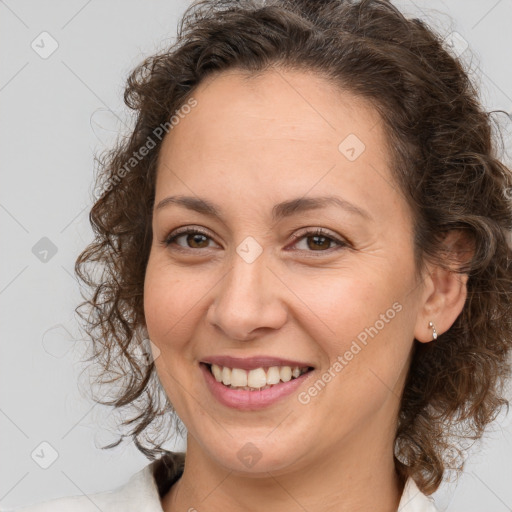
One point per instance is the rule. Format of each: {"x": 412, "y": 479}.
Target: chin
{"x": 256, "y": 455}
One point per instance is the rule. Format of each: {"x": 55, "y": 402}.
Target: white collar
{"x": 413, "y": 500}
{"x": 140, "y": 494}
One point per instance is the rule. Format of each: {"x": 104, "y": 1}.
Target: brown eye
{"x": 194, "y": 239}
{"x": 317, "y": 241}
{"x": 197, "y": 240}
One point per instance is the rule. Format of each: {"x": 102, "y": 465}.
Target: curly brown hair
{"x": 445, "y": 160}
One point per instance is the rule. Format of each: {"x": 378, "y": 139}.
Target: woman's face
{"x": 263, "y": 151}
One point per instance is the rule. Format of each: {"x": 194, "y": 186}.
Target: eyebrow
{"x": 279, "y": 211}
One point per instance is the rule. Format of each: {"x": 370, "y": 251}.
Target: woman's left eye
{"x": 315, "y": 241}
{"x": 318, "y": 239}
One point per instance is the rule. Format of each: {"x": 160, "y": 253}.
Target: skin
{"x": 252, "y": 142}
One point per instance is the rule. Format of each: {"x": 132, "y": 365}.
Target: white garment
{"x": 140, "y": 494}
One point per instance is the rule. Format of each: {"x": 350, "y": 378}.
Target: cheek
{"x": 168, "y": 300}
{"x": 341, "y": 305}
{"x": 366, "y": 356}
{"x": 363, "y": 327}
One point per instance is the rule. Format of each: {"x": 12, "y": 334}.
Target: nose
{"x": 249, "y": 299}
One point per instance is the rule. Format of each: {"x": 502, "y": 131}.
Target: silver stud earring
{"x": 434, "y": 333}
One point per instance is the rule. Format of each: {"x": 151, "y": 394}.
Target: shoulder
{"x": 413, "y": 500}
{"x": 140, "y": 494}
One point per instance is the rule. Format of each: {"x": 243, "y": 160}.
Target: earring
{"x": 434, "y": 333}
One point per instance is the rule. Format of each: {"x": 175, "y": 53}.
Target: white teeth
{"x": 226, "y": 376}
{"x": 217, "y": 372}
{"x": 286, "y": 373}
{"x": 273, "y": 376}
{"x": 258, "y": 378}
{"x": 238, "y": 377}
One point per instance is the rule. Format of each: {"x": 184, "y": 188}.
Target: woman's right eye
{"x": 194, "y": 239}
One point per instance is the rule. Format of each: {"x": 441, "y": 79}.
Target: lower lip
{"x": 250, "y": 400}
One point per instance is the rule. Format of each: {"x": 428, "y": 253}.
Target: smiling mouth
{"x": 257, "y": 379}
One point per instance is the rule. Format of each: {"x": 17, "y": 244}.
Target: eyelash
{"x": 296, "y": 237}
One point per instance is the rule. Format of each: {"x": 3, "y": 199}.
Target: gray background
{"x": 55, "y": 117}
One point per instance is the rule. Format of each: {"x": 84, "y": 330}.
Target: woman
{"x": 310, "y": 224}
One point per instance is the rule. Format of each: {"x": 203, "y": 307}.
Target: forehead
{"x": 279, "y": 133}
{"x": 280, "y": 105}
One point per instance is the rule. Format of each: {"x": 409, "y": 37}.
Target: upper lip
{"x": 250, "y": 363}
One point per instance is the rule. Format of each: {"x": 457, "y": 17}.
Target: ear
{"x": 444, "y": 290}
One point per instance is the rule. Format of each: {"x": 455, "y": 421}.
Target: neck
{"x": 360, "y": 478}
